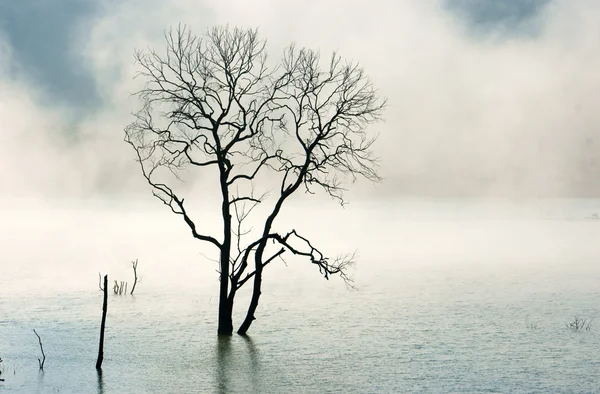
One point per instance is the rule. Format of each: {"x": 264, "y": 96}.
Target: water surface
{"x": 452, "y": 297}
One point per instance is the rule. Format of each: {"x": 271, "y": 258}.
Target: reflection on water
{"x": 41, "y": 374}
{"x": 237, "y": 367}
{"x": 100, "y": 382}
{"x": 223, "y": 363}
{"x": 254, "y": 363}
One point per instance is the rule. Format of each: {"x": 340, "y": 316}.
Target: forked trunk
{"x": 258, "y": 263}
{"x": 255, "y": 294}
{"x": 252, "y": 308}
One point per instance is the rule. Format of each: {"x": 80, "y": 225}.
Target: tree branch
{"x": 251, "y": 274}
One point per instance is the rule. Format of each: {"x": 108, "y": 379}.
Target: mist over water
{"x": 472, "y": 254}
{"x": 451, "y": 296}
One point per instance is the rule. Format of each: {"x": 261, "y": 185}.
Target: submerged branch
{"x": 134, "y": 265}
{"x": 43, "y": 360}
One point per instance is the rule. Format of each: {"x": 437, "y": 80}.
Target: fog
{"x": 484, "y": 103}
{"x": 481, "y": 105}
{"x": 502, "y": 107}
{"x": 472, "y": 254}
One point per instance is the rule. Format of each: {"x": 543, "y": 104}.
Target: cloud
{"x": 501, "y": 18}
{"x": 40, "y": 34}
{"x": 513, "y": 116}
{"x": 470, "y": 112}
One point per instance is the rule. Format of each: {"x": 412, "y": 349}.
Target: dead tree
{"x": 215, "y": 104}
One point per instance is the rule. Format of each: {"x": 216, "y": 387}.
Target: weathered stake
{"x": 101, "y": 349}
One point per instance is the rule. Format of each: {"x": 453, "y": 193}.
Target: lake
{"x": 460, "y": 296}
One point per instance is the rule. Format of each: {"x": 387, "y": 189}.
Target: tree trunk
{"x": 225, "y": 310}
{"x": 102, "y": 325}
{"x": 253, "y": 305}
{"x": 255, "y": 292}
{"x": 225, "y": 307}
{"x": 258, "y": 266}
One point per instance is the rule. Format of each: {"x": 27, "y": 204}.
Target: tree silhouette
{"x": 215, "y": 104}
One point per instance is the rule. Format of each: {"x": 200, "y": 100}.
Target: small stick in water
{"x": 43, "y": 360}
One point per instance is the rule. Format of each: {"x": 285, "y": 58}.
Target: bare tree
{"x": 212, "y": 103}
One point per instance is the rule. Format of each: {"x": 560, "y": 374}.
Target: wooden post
{"x": 101, "y": 350}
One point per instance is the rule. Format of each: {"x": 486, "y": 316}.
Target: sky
{"x": 485, "y": 97}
